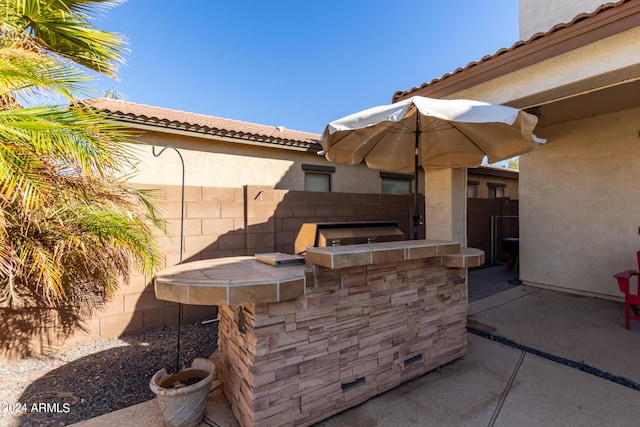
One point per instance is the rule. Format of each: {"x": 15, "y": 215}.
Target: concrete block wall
{"x": 213, "y": 222}
{"x": 218, "y": 222}
{"x": 213, "y": 228}
{"x": 274, "y": 217}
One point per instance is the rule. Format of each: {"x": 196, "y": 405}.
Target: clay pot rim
{"x": 199, "y": 364}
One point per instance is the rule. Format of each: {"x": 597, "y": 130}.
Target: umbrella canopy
{"x": 433, "y": 133}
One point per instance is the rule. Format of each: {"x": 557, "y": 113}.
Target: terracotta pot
{"x": 182, "y": 396}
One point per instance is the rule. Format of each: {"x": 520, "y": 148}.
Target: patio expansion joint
{"x": 507, "y": 389}
{"x": 581, "y": 366}
{"x": 493, "y": 306}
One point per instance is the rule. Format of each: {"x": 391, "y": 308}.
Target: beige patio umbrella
{"x": 432, "y": 133}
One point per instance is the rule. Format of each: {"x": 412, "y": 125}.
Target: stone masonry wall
{"x": 358, "y": 332}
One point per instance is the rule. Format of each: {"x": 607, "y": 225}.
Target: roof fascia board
{"x": 610, "y": 79}
{"x": 512, "y": 173}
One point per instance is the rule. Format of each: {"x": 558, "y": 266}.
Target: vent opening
{"x": 413, "y": 359}
{"x": 352, "y": 384}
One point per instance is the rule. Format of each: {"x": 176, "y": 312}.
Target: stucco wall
{"x": 446, "y": 205}
{"x": 226, "y": 164}
{"x": 578, "y": 193}
{"x": 510, "y": 188}
{"x": 541, "y": 15}
{"x": 579, "y": 220}
{"x": 611, "y": 54}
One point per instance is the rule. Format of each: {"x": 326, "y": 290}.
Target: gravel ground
{"x": 97, "y": 377}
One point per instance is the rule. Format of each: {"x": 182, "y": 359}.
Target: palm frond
{"x": 80, "y": 137}
{"x": 40, "y": 145}
{"x": 27, "y": 73}
{"x": 71, "y": 228}
{"x": 63, "y": 27}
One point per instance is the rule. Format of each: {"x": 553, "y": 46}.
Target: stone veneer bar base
{"x": 358, "y": 332}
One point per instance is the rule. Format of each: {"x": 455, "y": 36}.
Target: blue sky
{"x": 298, "y": 64}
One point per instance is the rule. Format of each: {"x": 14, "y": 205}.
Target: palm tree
{"x": 70, "y": 229}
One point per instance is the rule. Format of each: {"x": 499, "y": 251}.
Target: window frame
{"x": 493, "y": 190}
{"x": 318, "y": 170}
{"x": 397, "y": 177}
{"x": 474, "y": 185}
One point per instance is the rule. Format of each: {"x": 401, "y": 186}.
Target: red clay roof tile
{"x": 198, "y": 123}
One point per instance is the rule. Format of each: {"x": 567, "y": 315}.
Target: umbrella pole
{"x": 416, "y": 211}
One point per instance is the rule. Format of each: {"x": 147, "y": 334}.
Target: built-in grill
{"x": 321, "y": 234}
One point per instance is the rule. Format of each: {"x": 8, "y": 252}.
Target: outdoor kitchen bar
{"x": 299, "y": 342}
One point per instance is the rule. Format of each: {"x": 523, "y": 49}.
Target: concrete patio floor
{"x": 535, "y": 358}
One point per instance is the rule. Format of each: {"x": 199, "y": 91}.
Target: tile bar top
{"x": 336, "y": 257}
{"x": 230, "y": 281}
{"x": 467, "y": 257}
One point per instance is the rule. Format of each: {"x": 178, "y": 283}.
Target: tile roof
{"x": 520, "y": 44}
{"x": 141, "y": 114}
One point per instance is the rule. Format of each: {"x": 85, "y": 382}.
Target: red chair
{"x": 631, "y": 299}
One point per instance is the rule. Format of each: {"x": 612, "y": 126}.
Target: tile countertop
{"x": 230, "y": 281}
{"x": 451, "y": 253}
{"x": 244, "y": 280}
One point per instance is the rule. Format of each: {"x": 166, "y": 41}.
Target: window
{"x": 317, "y": 177}
{"x": 317, "y": 181}
{"x": 496, "y": 190}
{"x": 395, "y": 183}
{"x": 472, "y": 189}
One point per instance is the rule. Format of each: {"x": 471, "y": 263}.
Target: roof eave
{"x": 609, "y": 19}
{"x": 494, "y": 171}
{"x": 160, "y": 125}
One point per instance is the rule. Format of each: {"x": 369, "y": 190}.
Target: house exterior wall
{"x": 562, "y": 75}
{"x": 576, "y": 192}
{"x": 484, "y": 181}
{"x": 221, "y": 164}
{"x": 541, "y": 15}
{"x": 210, "y": 162}
{"x": 578, "y": 205}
